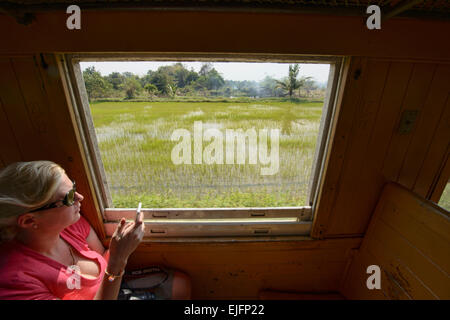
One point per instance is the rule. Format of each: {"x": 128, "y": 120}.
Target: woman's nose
{"x": 78, "y": 197}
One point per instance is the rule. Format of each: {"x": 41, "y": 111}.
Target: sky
{"x": 229, "y": 70}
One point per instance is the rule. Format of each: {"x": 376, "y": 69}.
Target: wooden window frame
{"x": 441, "y": 180}
{"x": 203, "y": 223}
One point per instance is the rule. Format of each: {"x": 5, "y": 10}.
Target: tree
{"x": 132, "y": 86}
{"x": 291, "y": 83}
{"x": 162, "y": 79}
{"x": 192, "y": 77}
{"x": 96, "y": 86}
{"x": 115, "y": 79}
{"x": 269, "y": 87}
{"x": 180, "y": 75}
{"x": 201, "y": 85}
{"x": 172, "y": 89}
{"x": 205, "y": 69}
{"x": 151, "y": 89}
{"x": 309, "y": 86}
{"x": 214, "y": 80}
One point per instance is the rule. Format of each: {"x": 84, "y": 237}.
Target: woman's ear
{"x": 27, "y": 220}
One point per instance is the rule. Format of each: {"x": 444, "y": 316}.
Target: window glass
{"x": 202, "y": 134}
{"x": 444, "y": 202}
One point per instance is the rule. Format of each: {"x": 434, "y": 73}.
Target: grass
{"x": 444, "y": 202}
{"x": 135, "y": 146}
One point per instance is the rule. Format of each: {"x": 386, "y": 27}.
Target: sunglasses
{"x": 68, "y": 201}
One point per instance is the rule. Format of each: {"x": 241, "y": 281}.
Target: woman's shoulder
{"x": 19, "y": 264}
{"x": 22, "y": 277}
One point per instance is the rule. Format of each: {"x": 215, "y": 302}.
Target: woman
{"x": 49, "y": 251}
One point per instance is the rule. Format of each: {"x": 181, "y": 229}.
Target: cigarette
{"x": 138, "y": 210}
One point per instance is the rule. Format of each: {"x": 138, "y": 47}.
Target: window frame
{"x": 176, "y": 223}
{"x": 441, "y": 181}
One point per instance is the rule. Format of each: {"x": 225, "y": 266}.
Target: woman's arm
{"x": 94, "y": 242}
{"x": 123, "y": 242}
{"x": 109, "y": 290}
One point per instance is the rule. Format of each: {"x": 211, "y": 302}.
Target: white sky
{"x": 229, "y": 70}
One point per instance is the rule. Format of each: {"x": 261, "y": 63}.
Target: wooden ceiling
{"x": 431, "y": 9}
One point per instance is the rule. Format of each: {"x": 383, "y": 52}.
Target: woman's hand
{"x": 124, "y": 241}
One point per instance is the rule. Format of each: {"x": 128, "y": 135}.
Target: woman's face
{"x": 56, "y": 219}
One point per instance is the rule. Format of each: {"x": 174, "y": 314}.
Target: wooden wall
{"x": 409, "y": 239}
{"x": 36, "y": 122}
{"x": 233, "y": 270}
{"x": 368, "y": 149}
{"x": 403, "y": 66}
{"x": 226, "y": 32}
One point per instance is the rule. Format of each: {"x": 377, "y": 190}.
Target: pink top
{"x": 28, "y": 275}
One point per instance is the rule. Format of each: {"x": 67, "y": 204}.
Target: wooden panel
{"x": 416, "y": 94}
{"x": 70, "y": 154}
{"x": 16, "y": 111}
{"x": 436, "y": 157}
{"x": 37, "y": 111}
{"x": 430, "y": 274}
{"x": 426, "y": 127}
{"x": 354, "y": 285}
{"x": 368, "y": 184}
{"x": 347, "y": 101}
{"x": 241, "y": 270}
{"x": 35, "y": 122}
{"x": 397, "y": 269}
{"x": 442, "y": 181}
{"x": 422, "y": 230}
{"x": 373, "y": 152}
{"x": 363, "y": 125}
{"x": 207, "y": 31}
{"x": 408, "y": 238}
{"x": 9, "y": 149}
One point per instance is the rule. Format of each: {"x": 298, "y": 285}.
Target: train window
{"x": 444, "y": 201}
{"x": 207, "y": 147}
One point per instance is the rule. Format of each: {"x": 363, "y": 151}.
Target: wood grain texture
{"x": 408, "y": 238}
{"x": 442, "y": 180}
{"x": 36, "y": 124}
{"x": 242, "y": 270}
{"x": 348, "y": 98}
{"x": 240, "y": 32}
{"x": 416, "y": 93}
{"x": 356, "y": 154}
{"x": 368, "y": 182}
{"x": 10, "y": 151}
{"x": 70, "y": 154}
{"x": 435, "y": 171}
{"x": 16, "y": 110}
{"x": 374, "y": 152}
{"x": 354, "y": 284}
{"x": 426, "y": 127}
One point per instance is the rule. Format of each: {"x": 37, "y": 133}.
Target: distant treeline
{"x": 177, "y": 81}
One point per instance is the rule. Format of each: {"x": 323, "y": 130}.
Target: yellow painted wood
{"x": 408, "y": 239}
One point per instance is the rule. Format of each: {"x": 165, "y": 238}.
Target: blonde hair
{"x": 25, "y": 186}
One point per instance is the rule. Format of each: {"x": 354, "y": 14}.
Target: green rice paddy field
{"x": 135, "y": 146}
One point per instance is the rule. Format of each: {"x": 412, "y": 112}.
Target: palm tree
{"x": 291, "y": 83}
{"x": 172, "y": 89}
